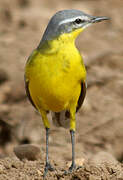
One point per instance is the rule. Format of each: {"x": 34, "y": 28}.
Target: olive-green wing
{"x": 28, "y": 93}
{"x": 82, "y": 95}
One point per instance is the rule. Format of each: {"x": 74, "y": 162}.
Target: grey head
{"x": 67, "y": 21}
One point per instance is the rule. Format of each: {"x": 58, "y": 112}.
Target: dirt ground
{"x": 99, "y": 134}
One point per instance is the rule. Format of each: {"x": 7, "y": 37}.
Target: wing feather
{"x": 28, "y": 93}
{"x": 82, "y": 96}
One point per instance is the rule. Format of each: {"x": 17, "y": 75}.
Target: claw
{"x": 72, "y": 168}
{"x": 48, "y": 167}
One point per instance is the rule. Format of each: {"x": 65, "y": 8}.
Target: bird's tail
{"x": 61, "y": 119}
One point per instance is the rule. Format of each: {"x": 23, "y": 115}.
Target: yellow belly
{"x": 54, "y": 94}
{"x": 55, "y": 80}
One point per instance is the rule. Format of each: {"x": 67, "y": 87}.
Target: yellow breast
{"x": 55, "y": 74}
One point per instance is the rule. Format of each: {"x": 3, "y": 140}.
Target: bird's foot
{"x": 47, "y": 168}
{"x": 72, "y": 168}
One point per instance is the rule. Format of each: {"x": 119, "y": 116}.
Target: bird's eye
{"x": 79, "y": 21}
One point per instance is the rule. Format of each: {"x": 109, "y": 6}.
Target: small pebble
{"x": 3, "y": 76}
{"x": 93, "y": 177}
{"x": 79, "y": 162}
{"x": 27, "y": 151}
{"x": 1, "y": 168}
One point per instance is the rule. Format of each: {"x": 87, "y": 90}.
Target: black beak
{"x": 98, "y": 19}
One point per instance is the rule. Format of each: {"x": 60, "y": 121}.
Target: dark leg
{"x": 73, "y": 165}
{"x": 47, "y": 166}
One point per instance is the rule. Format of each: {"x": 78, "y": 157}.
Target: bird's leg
{"x": 47, "y": 127}
{"x": 73, "y": 165}
{"x": 72, "y": 133}
{"x": 47, "y": 165}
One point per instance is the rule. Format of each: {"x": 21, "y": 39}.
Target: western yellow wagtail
{"x": 55, "y": 75}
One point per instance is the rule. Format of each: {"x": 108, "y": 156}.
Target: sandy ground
{"x": 99, "y": 134}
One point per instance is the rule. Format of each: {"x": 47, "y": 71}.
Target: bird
{"x": 55, "y": 74}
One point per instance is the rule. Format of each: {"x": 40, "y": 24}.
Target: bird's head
{"x": 69, "y": 21}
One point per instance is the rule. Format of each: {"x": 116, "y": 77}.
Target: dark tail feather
{"x": 61, "y": 119}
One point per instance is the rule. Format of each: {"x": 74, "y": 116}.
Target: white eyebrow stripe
{"x": 72, "y": 19}
{"x": 69, "y": 20}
